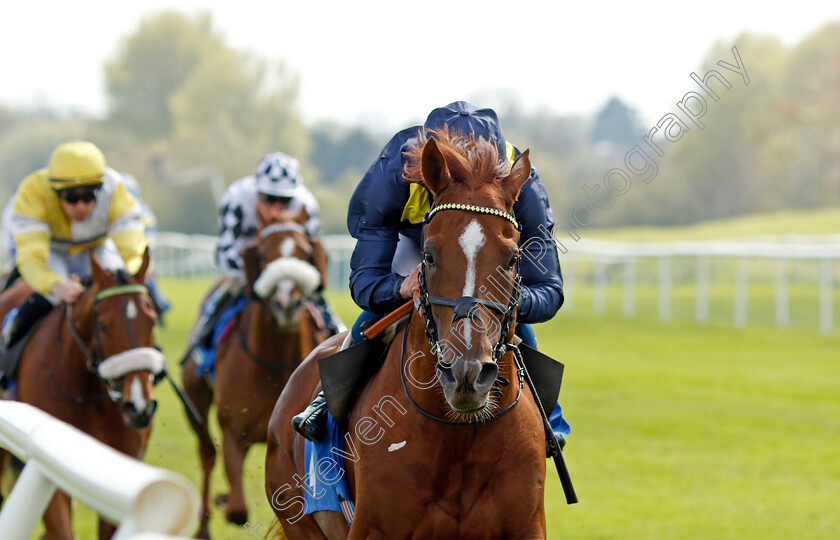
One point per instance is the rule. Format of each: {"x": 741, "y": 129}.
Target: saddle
{"x": 344, "y": 373}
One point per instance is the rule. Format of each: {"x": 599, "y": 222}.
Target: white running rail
{"x": 143, "y": 501}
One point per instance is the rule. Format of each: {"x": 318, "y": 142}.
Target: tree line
{"x": 188, "y": 114}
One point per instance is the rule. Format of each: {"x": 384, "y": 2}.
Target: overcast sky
{"x": 390, "y": 62}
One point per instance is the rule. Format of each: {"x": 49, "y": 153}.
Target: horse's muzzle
{"x": 139, "y": 419}
{"x": 466, "y": 383}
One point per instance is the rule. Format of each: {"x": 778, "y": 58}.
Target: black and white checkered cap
{"x": 279, "y": 175}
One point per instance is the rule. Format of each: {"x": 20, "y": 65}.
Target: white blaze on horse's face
{"x": 471, "y": 240}
{"x": 136, "y": 395}
{"x": 287, "y": 247}
{"x": 287, "y": 314}
{"x": 131, "y": 310}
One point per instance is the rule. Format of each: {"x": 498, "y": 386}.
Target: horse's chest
{"x": 435, "y": 495}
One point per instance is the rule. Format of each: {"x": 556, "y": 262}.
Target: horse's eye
{"x": 512, "y": 262}
{"x": 428, "y": 258}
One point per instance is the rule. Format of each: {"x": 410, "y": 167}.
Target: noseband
{"x": 96, "y": 359}
{"x": 464, "y": 307}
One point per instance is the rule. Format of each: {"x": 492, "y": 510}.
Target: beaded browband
{"x": 472, "y": 208}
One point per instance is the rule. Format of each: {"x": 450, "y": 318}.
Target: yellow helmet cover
{"x": 75, "y": 164}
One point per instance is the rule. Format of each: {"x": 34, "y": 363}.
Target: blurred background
{"x": 700, "y": 236}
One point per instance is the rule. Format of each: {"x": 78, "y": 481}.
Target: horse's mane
{"x": 472, "y": 161}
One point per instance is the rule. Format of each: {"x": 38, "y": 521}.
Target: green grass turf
{"x": 678, "y": 432}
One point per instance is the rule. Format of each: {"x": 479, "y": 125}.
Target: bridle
{"x": 95, "y": 359}
{"x": 276, "y": 228}
{"x": 464, "y": 307}
{"x": 264, "y": 233}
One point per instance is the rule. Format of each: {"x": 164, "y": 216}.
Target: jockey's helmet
{"x": 278, "y": 175}
{"x": 468, "y": 119}
{"x": 75, "y": 164}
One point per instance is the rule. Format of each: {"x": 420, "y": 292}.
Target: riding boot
{"x": 311, "y": 423}
{"x": 30, "y": 312}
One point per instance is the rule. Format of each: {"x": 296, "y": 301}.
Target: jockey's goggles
{"x": 274, "y": 199}
{"x": 74, "y": 195}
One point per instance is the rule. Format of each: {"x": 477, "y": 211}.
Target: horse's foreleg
{"x": 57, "y": 518}
{"x": 235, "y": 449}
{"x": 202, "y": 397}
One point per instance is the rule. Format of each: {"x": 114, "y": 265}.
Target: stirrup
{"x": 311, "y": 423}
{"x": 560, "y": 439}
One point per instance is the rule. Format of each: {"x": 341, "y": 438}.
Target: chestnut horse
{"x": 440, "y": 444}
{"x": 93, "y": 364}
{"x": 272, "y": 335}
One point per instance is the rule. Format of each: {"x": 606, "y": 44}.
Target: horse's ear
{"x": 520, "y": 171}
{"x": 435, "y": 172}
{"x": 144, "y": 266}
{"x": 99, "y": 274}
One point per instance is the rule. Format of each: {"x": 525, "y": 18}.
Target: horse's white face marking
{"x": 471, "y": 240}
{"x": 136, "y": 394}
{"x": 287, "y": 247}
{"x": 131, "y": 310}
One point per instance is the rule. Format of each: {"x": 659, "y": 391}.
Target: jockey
{"x": 276, "y": 183}
{"x": 149, "y": 221}
{"x": 386, "y": 219}
{"x": 59, "y": 216}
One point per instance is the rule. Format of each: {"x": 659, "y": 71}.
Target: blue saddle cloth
{"x": 325, "y": 482}
{"x": 207, "y": 365}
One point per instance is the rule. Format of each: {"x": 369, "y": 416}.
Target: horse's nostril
{"x": 447, "y": 379}
{"x": 486, "y": 377}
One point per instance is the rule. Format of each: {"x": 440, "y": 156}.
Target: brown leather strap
{"x": 389, "y": 319}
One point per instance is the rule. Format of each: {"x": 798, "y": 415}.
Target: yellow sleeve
{"x": 121, "y": 203}
{"x": 29, "y": 198}
{"x": 31, "y": 252}
{"x": 131, "y": 245}
{"x": 32, "y": 235}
